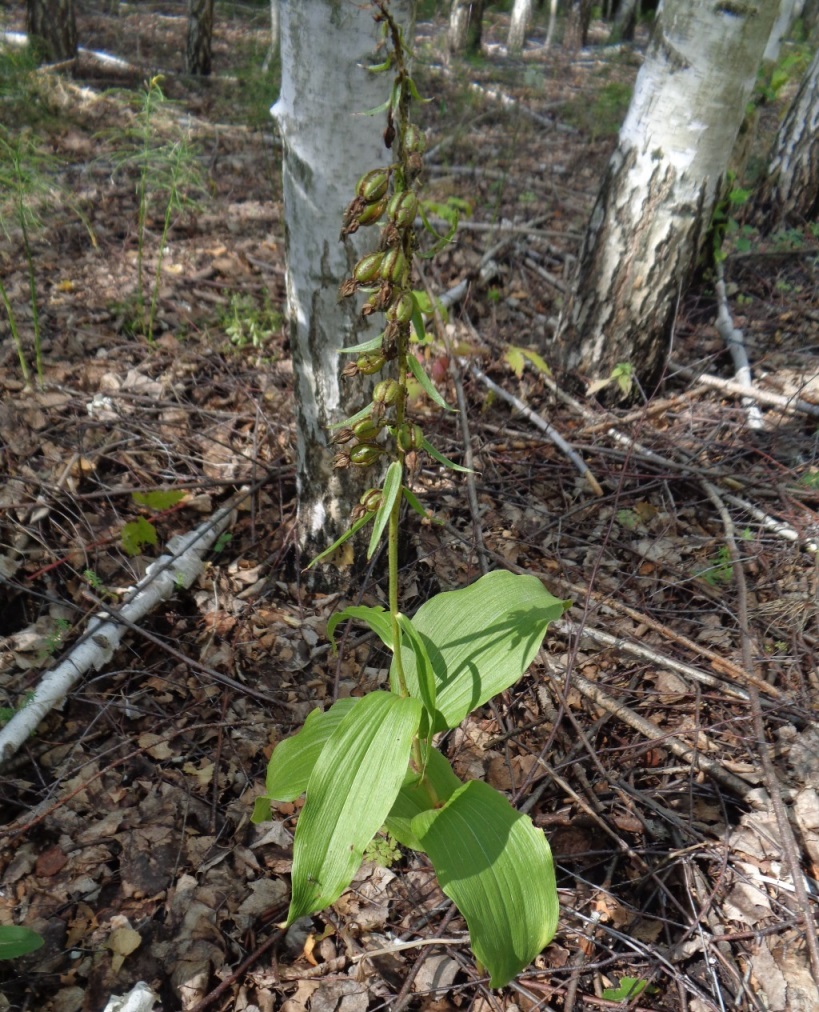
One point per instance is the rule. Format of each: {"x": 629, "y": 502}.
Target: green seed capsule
{"x": 366, "y": 430}
{"x": 373, "y": 185}
{"x": 394, "y": 265}
{"x": 371, "y": 364}
{"x": 365, "y": 454}
{"x": 401, "y": 310}
{"x": 402, "y": 208}
{"x": 372, "y": 499}
{"x": 368, "y": 268}
{"x": 372, "y": 212}
{"x": 387, "y": 392}
{"x": 414, "y": 139}
{"x": 410, "y": 437}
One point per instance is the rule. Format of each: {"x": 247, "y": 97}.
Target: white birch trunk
{"x": 550, "y": 31}
{"x": 273, "y": 51}
{"x": 326, "y": 46}
{"x": 655, "y": 205}
{"x": 789, "y": 11}
{"x": 519, "y": 25}
{"x": 458, "y": 22}
{"x": 790, "y": 193}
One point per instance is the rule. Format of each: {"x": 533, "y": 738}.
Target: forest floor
{"x": 634, "y": 740}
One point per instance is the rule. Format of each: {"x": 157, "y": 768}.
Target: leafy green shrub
{"x": 370, "y": 762}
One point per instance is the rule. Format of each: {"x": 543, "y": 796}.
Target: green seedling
{"x": 370, "y": 762}
{"x": 168, "y": 179}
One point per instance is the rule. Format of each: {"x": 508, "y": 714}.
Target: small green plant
{"x": 7, "y": 712}
{"x": 26, "y": 182}
{"x": 370, "y": 762}
{"x": 604, "y": 114}
{"x": 247, "y": 324}
{"x": 622, "y": 374}
{"x": 383, "y": 849}
{"x": 719, "y": 570}
{"x": 139, "y": 534}
{"x": 629, "y": 988}
{"x": 168, "y": 179}
{"x": 18, "y": 941}
{"x": 55, "y": 638}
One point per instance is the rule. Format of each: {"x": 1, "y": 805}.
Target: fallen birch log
{"x": 177, "y": 568}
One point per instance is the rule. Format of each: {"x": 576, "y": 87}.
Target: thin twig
{"x": 735, "y": 342}
{"x": 790, "y": 404}
{"x": 545, "y": 427}
{"x": 651, "y": 731}
{"x": 787, "y": 839}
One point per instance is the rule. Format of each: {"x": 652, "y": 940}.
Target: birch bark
{"x": 790, "y": 193}
{"x": 519, "y": 25}
{"x": 655, "y": 205}
{"x": 326, "y": 46}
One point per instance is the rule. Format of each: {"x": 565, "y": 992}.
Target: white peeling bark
{"x": 326, "y": 46}
{"x": 790, "y": 193}
{"x": 178, "y": 567}
{"x": 658, "y": 194}
{"x": 519, "y": 25}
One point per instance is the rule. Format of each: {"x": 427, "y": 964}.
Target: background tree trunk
{"x": 465, "y": 26}
{"x": 52, "y": 29}
{"x": 550, "y": 31}
{"x": 198, "y": 58}
{"x": 576, "y": 35}
{"x": 519, "y": 25}
{"x": 625, "y": 21}
{"x": 273, "y": 51}
{"x": 790, "y": 193}
{"x": 656, "y": 202}
{"x": 789, "y": 11}
{"x": 325, "y": 47}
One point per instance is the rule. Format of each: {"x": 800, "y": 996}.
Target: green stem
{"x": 18, "y": 344}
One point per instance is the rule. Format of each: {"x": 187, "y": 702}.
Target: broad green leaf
{"x": 413, "y": 798}
{"x": 498, "y": 869}
{"x": 390, "y": 492}
{"x": 159, "y": 499}
{"x": 423, "y": 667}
{"x": 359, "y": 349}
{"x": 442, "y": 459}
{"x": 376, "y": 618}
{"x": 344, "y": 537}
{"x": 420, "y": 374}
{"x": 480, "y": 640}
{"x": 350, "y": 793}
{"x": 16, "y": 940}
{"x": 293, "y": 759}
{"x": 365, "y": 412}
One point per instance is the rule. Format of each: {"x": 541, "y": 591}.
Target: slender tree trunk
{"x": 198, "y": 52}
{"x": 519, "y": 25}
{"x": 52, "y": 29}
{"x": 273, "y": 51}
{"x": 625, "y": 21}
{"x": 657, "y": 198}
{"x": 789, "y": 11}
{"x": 326, "y": 46}
{"x": 550, "y": 31}
{"x": 465, "y": 26}
{"x": 576, "y": 35}
{"x": 790, "y": 193}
